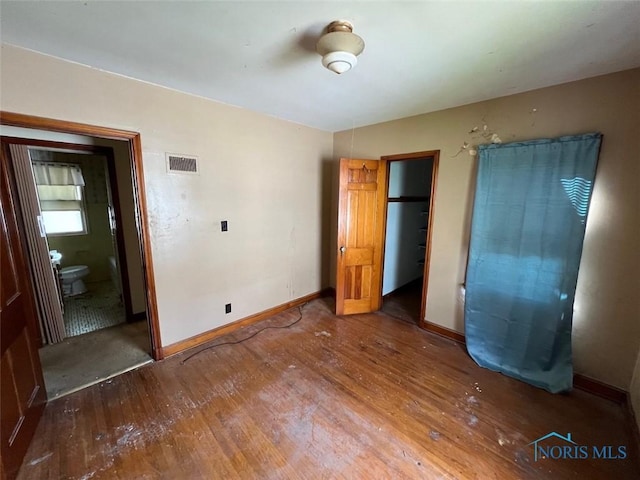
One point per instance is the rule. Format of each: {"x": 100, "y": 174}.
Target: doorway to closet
{"x": 411, "y": 185}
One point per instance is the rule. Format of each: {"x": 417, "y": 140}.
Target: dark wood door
{"x": 23, "y": 395}
{"x": 361, "y": 225}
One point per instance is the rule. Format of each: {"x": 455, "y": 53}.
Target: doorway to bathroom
{"x": 77, "y": 207}
{"x": 78, "y": 216}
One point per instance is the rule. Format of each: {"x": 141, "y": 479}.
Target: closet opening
{"x": 411, "y": 186}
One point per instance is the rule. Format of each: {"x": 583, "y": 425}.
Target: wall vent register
{"x": 177, "y": 163}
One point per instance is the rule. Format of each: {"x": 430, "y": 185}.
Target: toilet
{"x": 72, "y": 283}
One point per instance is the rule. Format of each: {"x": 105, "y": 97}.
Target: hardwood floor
{"x": 404, "y": 302}
{"x": 366, "y": 396}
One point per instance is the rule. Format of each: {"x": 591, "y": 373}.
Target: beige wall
{"x": 264, "y": 175}
{"x": 606, "y": 332}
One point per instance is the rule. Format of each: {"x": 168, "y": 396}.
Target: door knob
{"x": 342, "y": 250}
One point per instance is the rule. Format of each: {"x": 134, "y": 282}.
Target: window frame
{"x": 83, "y": 216}
{"x": 83, "y": 212}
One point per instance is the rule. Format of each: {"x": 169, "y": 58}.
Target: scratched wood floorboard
{"x": 367, "y": 396}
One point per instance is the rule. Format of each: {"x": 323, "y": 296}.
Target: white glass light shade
{"x": 339, "y": 62}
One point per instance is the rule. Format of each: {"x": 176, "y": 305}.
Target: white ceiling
{"x": 419, "y": 56}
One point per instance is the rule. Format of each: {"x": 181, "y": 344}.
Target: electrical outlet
{"x": 227, "y": 308}
{"x": 224, "y": 226}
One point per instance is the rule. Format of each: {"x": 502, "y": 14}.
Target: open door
{"x": 22, "y": 388}
{"x": 361, "y": 221}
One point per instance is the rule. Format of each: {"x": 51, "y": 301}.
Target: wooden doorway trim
{"x": 435, "y": 155}
{"x": 142, "y": 224}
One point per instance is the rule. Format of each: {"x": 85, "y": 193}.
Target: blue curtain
{"x": 531, "y": 205}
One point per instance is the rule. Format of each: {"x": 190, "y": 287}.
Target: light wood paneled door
{"x": 361, "y": 220}
{"x": 22, "y": 387}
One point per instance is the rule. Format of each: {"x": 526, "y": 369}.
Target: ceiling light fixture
{"x": 340, "y": 47}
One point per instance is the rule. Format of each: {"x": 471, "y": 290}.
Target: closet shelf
{"x": 408, "y": 199}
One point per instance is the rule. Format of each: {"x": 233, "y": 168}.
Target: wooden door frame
{"x": 435, "y": 155}
{"x": 142, "y": 222}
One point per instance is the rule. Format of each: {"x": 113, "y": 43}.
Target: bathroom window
{"x": 61, "y": 195}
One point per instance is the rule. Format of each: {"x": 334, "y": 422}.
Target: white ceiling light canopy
{"x": 340, "y": 47}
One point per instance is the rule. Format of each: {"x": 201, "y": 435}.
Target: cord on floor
{"x": 236, "y": 342}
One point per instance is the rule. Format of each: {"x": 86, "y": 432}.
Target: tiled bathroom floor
{"x": 99, "y": 308}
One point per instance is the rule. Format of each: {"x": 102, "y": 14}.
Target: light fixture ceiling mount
{"x": 339, "y": 47}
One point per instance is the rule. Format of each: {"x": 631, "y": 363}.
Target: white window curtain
{"x": 59, "y": 185}
{"x": 57, "y": 174}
